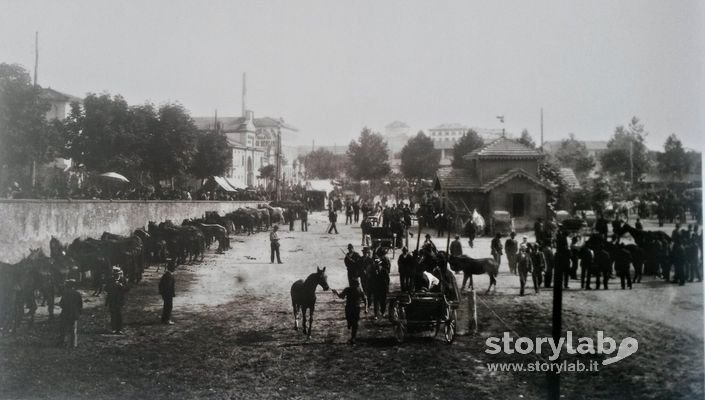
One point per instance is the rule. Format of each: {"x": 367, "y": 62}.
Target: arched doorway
{"x": 250, "y": 172}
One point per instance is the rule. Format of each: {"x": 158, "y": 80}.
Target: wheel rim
{"x": 450, "y": 328}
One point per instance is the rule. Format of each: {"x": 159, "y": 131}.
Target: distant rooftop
{"x": 504, "y": 147}
{"x": 50, "y": 94}
{"x": 454, "y": 126}
{"x": 232, "y": 123}
{"x": 397, "y": 125}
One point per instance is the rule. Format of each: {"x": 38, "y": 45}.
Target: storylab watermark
{"x": 548, "y": 347}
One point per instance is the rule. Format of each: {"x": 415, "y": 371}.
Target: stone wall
{"x": 31, "y": 223}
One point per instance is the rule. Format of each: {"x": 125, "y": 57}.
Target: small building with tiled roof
{"x": 500, "y": 176}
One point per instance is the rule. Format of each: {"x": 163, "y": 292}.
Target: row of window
{"x": 447, "y": 133}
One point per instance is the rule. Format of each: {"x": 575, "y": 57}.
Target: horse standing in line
{"x": 475, "y": 266}
{"x": 303, "y": 297}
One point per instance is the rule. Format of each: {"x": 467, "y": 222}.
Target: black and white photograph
{"x": 323, "y": 199}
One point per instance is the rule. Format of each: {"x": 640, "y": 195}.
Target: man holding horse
{"x": 353, "y": 296}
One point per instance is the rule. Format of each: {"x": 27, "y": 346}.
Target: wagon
{"x": 422, "y": 311}
{"x": 501, "y": 222}
{"x": 386, "y": 237}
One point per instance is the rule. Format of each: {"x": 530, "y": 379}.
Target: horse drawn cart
{"x": 422, "y": 311}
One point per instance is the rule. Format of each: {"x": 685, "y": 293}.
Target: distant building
{"x": 503, "y": 177}
{"x": 445, "y": 136}
{"x": 60, "y": 103}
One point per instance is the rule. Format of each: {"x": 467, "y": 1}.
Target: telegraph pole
{"x": 542, "y": 128}
{"x": 278, "y": 165}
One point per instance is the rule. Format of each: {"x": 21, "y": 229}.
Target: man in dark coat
{"x": 523, "y": 267}
{"x": 71, "y": 304}
{"x": 167, "y": 289}
{"x": 406, "y": 264}
{"x": 353, "y": 296}
{"x": 352, "y": 264}
{"x": 538, "y": 230}
{"x": 511, "y": 246}
{"x": 304, "y": 219}
{"x": 622, "y": 258}
{"x": 470, "y": 232}
{"x": 115, "y": 300}
{"x": 456, "y": 248}
{"x": 332, "y": 218}
{"x": 603, "y": 265}
{"x": 365, "y": 227}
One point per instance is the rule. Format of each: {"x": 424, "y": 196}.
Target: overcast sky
{"x": 332, "y": 67}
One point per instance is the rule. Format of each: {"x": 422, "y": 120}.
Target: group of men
{"x": 71, "y": 304}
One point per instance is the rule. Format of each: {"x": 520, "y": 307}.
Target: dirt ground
{"x": 234, "y": 338}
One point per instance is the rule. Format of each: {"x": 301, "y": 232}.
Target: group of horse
{"x": 91, "y": 261}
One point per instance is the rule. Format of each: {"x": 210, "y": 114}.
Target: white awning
{"x": 223, "y": 183}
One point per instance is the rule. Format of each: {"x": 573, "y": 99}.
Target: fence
{"x": 31, "y": 223}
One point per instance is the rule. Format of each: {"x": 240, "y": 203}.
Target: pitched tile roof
{"x": 457, "y": 179}
{"x": 463, "y": 180}
{"x": 570, "y": 179}
{"x": 504, "y": 148}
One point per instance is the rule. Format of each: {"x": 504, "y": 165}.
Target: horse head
{"x": 322, "y": 278}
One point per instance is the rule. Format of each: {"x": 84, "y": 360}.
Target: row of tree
{"x": 146, "y": 143}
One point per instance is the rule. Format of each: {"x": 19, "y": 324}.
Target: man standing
{"x": 523, "y": 267}
{"x": 115, "y": 300}
{"x": 456, "y": 249}
{"x": 356, "y": 211}
{"x": 304, "y": 219}
{"x": 511, "y": 246}
{"x": 168, "y": 292}
{"x": 333, "y": 218}
{"x": 365, "y": 227}
{"x": 292, "y": 218}
{"x": 274, "y": 244}
{"x": 538, "y": 230}
{"x": 406, "y": 264}
{"x": 470, "y": 231}
{"x": 352, "y": 263}
{"x": 348, "y": 213}
{"x": 496, "y": 248}
{"x": 71, "y": 304}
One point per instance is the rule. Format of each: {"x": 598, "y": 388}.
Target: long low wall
{"x": 31, "y": 223}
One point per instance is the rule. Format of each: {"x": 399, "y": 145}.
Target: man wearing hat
{"x": 352, "y": 263}
{"x": 168, "y": 291}
{"x": 406, "y": 264}
{"x": 116, "y": 289}
{"x": 428, "y": 242}
{"x": 274, "y": 244}
{"x": 511, "y": 246}
{"x": 71, "y": 304}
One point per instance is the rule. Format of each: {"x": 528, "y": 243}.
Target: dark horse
{"x": 474, "y": 266}
{"x": 303, "y": 297}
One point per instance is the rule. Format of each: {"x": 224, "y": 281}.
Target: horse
{"x": 303, "y": 297}
{"x": 472, "y": 266}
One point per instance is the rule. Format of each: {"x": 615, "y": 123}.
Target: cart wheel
{"x": 449, "y": 330}
{"x": 399, "y": 323}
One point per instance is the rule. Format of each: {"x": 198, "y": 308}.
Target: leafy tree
{"x": 574, "y": 154}
{"x": 550, "y": 172}
{"x": 469, "y": 142}
{"x": 212, "y": 156}
{"x": 26, "y": 138}
{"x": 101, "y": 136}
{"x": 526, "y": 139}
{"x": 418, "y": 160}
{"x": 368, "y": 156}
{"x": 616, "y": 159}
{"x": 170, "y": 149}
{"x": 673, "y": 162}
{"x": 324, "y": 164}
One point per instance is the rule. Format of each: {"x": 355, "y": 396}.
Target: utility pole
{"x": 631, "y": 160}
{"x": 36, "y": 56}
{"x": 278, "y": 164}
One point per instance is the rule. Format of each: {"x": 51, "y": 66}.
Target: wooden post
{"x": 418, "y": 237}
{"x": 554, "y": 380}
{"x": 472, "y": 306}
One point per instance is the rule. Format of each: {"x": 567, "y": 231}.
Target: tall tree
{"x": 526, "y": 139}
{"x": 626, "y": 152}
{"x": 469, "y": 142}
{"x": 26, "y": 138}
{"x": 418, "y": 159}
{"x": 212, "y": 156}
{"x": 573, "y": 154}
{"x": 550, "y": 172}
{"x": 673, "y": 162}
{"x": 171, "y": 146}
{"x": 368, "y": 156}
{"x": 324, "y": 164}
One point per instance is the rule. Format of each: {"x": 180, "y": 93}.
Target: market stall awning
{"x": 223, "y": 183}
{"x": 321, "y": 185}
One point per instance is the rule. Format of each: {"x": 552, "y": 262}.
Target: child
{"x": 353, "y": 295}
